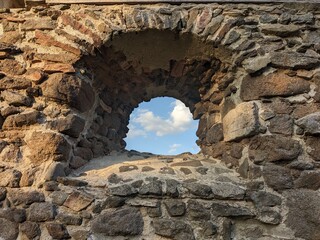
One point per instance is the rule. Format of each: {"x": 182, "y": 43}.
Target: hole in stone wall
{"x": 162, "y": 126}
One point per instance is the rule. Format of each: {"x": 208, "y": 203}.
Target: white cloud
{"x": 179, "y": 121}
{"x": 135, "y": 132}
{"x": 174, "y": 147}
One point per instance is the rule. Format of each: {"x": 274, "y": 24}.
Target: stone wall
{"x": 71, "y": 76}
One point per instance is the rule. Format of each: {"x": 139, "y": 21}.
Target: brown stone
{"x": 30, "y": 229}
{"x": 47, "y": 40}
{"x": 310, "y": 123}
{"x": 313, "y": 149}
{"x": 25, "y": 197}
{"x": 41, "y": 212}
{"x": 10, "y": 178}
{"x": 275, "y": 84}
{"x": 278, "y": 178}
{"x": 273, "y": 148}
{"x": 57, "y": 231}
{"x": 40, "y": 24}
{"x": 282, "y": 124}
{"x": 11, "y": 67}
{"x": 60, "y": 58}
{"x": 309, "y": 180}
{"x": 16, "y": 99}
{"x": 10, "y": 83}
{"x": 70, "y": 90}
{"x": 21, "y": 119}
{"x": 47, "y": 146}
{"x": 78, "y": 201}
{"x": 294, "y": 60}
{"x": 8, "y": 230}
{"x": 215, "y": 134}
{"x": 58, "y": 67}
{"x": 34, "y": 75}
{"x": 11, "y": 37}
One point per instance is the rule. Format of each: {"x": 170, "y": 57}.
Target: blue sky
{"x": 162, "y": 126}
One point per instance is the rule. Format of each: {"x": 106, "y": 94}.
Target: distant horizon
{"x": 162, "y": 126}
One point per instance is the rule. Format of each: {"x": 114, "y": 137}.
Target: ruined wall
{"x": 71, "y": 76}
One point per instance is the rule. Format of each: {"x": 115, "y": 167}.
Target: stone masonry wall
{"x": 70, "y": 75}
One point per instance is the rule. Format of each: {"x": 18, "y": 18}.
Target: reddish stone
{"x": 34, "y": 75}
{"x": 58, "y": 67}
{"x": 11, "y": 37}
{"x": 47, "y": 40}
{"x": 11, "y": 67}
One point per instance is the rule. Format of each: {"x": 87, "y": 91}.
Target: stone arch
{"x": 252, "y": 69}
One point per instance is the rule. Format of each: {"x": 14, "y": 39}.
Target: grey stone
{"x": 175, "y": 229}
{"x": 224, "y": 190}
{"x": 241, "y": 122}
{"x": 123, "y": 222}
{"x": 310, "y": 123}
{"x": 215, "y": 133}
{"x": 202, "y": 170}
{"x": 41, "y": 212}
{"x": 186, "y": 171}
{"x": 277, "y": 177}
{"x": 57, "y": 231}
{"x": 30, "y": 229}
{"x": 78, "y": 200}
{"x": 71, "y": 125}
{"x": 280, "y": 30}
{"x": 294, "y": 60}
{"x": 267, "y": 18}
{"x": 228, "y": 210}
{"x": 265, "y": 199}
{"x": 282, "y": 124}
{"x": 58, "y": 197}
{"x": 232, "y": 37}
{"x": 127, "y": 168}
{"x": 68, "y": 181}
{"x": 123, "y": 190}
{"x": 269, "y": 216}
{"x": 303, "y": 215}
{"x": 252, "y": 65}
{"x": 172, "y": 187}
{"x": 313, "y": 149}
{"x": 13, "y": 215}
{"x": 147, "y": 169}
{"x": 196, "y": 211}
{"x": 209, "y": 229}
{"x": 156, "y": 211}
{"x": 152, "y": 188}
{"x": 273, "y": 148}
{"x": 55, "y": 170}
{"x": 20, "y": 196}
{"x": 114, "y": 178}
{"x": 175, "y": 207}
{"x": 69, "y": 218}
{"x": 198, "y": 189}
{"x": 303, "y": 18}
{"x": 8, "y": 230}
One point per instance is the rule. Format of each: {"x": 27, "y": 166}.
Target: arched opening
{"x": 162, "y": 126}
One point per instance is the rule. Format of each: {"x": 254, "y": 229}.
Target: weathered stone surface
{"x": 227, "y": 210}
{"x": 269, "y": 216}
{"x": 11, "y": 67}
{"x": 57, "y": 231}
{"x": 69, "y": 218}
{"x": 309, "y": 180}
{"x": 199, "y": 189}
{"x": 41, "y": 212}
{"x": 265, "y": 199}
{"x": 15, "y": 98}
{"x": 313, "y": 149}
{"x": 21, "y": 119}
{"x": 215, "y": 134}
{"x": 3, "y": 193}
{"x": 278, "y": 178}
{"x": 40, "y": 23}
{"x": 8, "y": 229}
{"x": 303, "y": 204}
{"x": 70, "y": 90}
{"x": 13, "y": 215}
{"x": 310, "y": 123}
{"x": 78, "y": 201}
{"x": 253, "y": 65}
{"x": 127, "y": 168}
{"x": 72, "y": 125}
{"x": 273, "y": 149}
{"x": 123, "y": 190}
{"x": 48, "y": 146}
{"x": 175, "y": 207}
{"x": 19, "y": 196}
{"x": 280, "y": 30}
{"x": 69, "y": 181}
{"x": 123, "y": 222}
{"x": 241, "y": 122}
{"x": 172, "y": 188}
{"x": 174, "y": 229}
{"x": 196, "y": 211}
{"x": 275, "y": 84}
{"x": 282, "y": 124}
{"x": 17, "y": 84}
{"x": 10, "y": 178}
{"x": 30, "y": 229}
{"x": 294, "y": 60}
{"x": 224, "y": 190}
{"x": 58, "y": 197}
{"x": 152, "y": 188}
